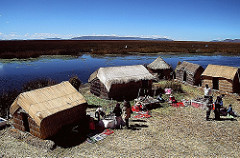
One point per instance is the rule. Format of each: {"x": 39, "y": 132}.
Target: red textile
{"x": 107, "y": 131}
{"x": 136, "y": 108}
{"x": 145, "y": 115}
{"x": 179, "y": 104}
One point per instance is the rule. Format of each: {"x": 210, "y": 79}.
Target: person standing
{"x": 209, "y": 107}
{"x": 218, "y": 103}
{"x": 127, "y": 112}
{"x": 118, "y": 113}
{"x": 207, "y": 91}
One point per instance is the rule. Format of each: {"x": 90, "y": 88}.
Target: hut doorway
{"x": 25, "y": 121}
{"x": 215, "y": 82}
{"x": 184, "y": 76}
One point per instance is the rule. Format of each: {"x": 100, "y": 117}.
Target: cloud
{"x": 15, "y": 35}
{"x": 47, "y": 35}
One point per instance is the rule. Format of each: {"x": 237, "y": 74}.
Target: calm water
{"x": 13, "y": 73}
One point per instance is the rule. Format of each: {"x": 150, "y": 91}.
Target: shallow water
{"x": 13, "y": 73}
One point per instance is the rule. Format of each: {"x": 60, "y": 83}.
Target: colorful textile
{"x": 179, "y": 104}
{"x": 100, "y": 136}
{"x": 142, "y": 115}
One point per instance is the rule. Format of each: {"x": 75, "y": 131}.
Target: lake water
{"x": 13, "y": 73}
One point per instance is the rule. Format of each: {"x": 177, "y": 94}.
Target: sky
{"x": 182, "y": 20}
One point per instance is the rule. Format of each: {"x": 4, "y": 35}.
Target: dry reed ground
{"x": 171, "y": 132}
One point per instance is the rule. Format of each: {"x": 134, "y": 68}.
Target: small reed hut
{"x": 160, "y": 69}
{"x": 43, "y": 112}
{"x": 121, "y": 82}
{"x": 224, "y": 78}
{"x": 189, "y": 73}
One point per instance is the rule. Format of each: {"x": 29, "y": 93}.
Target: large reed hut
{"x": 224, "y": 78}
{"x": 122, "y": 82}
{"x": 160, "y": 69}
{"x": 43, "y": 112}
{"x": 189, "y": 73}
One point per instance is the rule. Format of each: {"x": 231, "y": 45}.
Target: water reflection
{"x": 60, "y": 68}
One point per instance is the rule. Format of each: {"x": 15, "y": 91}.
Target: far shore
{"x": 35, "y": 48}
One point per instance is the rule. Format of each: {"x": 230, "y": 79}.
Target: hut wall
{"x": 34, "y": 128}
{"x": 207, "y": 80}
{"x": 225, "y": 85}
{"x": 129, "y": 90}
{"x": 190, "y": 78}
{"x": 52, "y": 124}
{"x": 18, "y": 121}
{"x": 124, "y": 91}
{"x": 97, "y": 88}
{"x": 197, "y": 76}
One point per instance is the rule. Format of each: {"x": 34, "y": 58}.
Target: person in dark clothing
{"x": 209, "y": 107}
{"x": 117, "y": 110}
{"x": 218, "y": 104}
{"x": 118, "y": 113}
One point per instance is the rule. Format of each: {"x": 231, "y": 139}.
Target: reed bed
{"x": 36, "y": 48}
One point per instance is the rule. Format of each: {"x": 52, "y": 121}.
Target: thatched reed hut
{"x": 224, "y": 78}
{"x": 189, "y": 73}
{"x": 121, "y": 82}
{"x": 43, "y": 112}
{"x": 160, "y": 69}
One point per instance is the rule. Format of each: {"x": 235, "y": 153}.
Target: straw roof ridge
{"x": 189, "y": 67}
{"x": 227, "y": 72}
{"x": 123, "y": 74}
{"x": 159, "y": 63}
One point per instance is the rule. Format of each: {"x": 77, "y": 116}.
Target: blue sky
{"x": 201, "y": 20}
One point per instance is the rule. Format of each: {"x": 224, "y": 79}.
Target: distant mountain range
{"x": 123, "y": 38}
{"x": 118, "y": 38}
{"x": 228, "y": 40}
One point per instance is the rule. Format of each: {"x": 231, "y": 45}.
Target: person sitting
{"x": 99, "y": 112}
{"x": 231, "y": 112}
{"x": 159, "y": 97}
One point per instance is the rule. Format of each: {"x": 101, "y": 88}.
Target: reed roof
{"x": 44, "y": 102}
{"x": 189, "y": 67}
{"x": 159, "y": 64}
{"x": 121, "y": 74}
{"x": 227, "y": 72}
